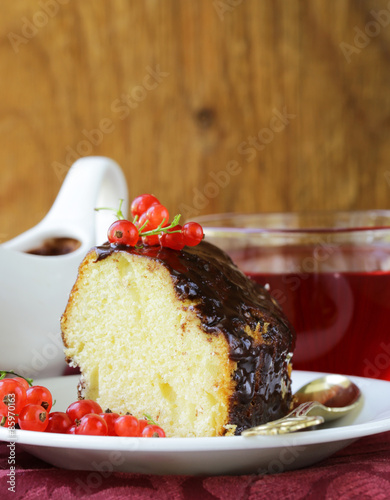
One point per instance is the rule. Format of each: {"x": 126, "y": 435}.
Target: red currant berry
{"x": 127, "y": 425}
{"x": 156, "y": 214}
{"x": 142, "y": 203}
{"x": 59, "y": 422}
{"x": 33, "y": 418}
{"x": 23, "y": 381}
{"x": 173, "y": 240}
{"x": 193, "y": 233}
{"x": 92, "y": 425}
{"x": 110, "y": 419}
{"x": 78, "y": 409}
{"x": 142, "y": 424}
{"x": 151, "y": 241}
{"x": 153, "y": 431}
{"x": 123, "y": 232}
{"x": 12, "y": 395}
{"x": 39, "y": 395}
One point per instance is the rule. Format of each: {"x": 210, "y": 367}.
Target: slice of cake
{"x": 183, "y": 336}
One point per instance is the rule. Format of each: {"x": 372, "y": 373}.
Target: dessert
{"x": 182, "y": 335}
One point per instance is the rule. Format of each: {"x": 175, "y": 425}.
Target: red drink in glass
{"x": 331, "y": 277}
{"x": 342, "y": 319}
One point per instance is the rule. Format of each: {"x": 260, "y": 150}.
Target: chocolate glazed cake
{"x": 183, "y": 336}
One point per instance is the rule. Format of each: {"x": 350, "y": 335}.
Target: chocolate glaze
{"x": 227, "y": 302}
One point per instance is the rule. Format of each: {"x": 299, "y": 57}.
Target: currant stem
{"x": 3, "y": 373}
{"x": 149, "y": 419}
{"x": 160, "y": 228}
{"x": 143, "y": 225}
{"x": 118, "y": 213}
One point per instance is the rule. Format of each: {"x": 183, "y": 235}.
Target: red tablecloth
{"x": 361, "y": 471}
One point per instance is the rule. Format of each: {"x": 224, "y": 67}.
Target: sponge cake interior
{"x": 141, "y": 349}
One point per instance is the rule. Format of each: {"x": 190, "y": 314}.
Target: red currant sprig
{"x": 30, "y": 406}
{"x": 150, "y": 226}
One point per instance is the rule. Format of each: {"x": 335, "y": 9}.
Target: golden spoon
{"x": 324, "y": 399}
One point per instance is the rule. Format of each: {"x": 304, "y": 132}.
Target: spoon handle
{"x": 297, "y": 420}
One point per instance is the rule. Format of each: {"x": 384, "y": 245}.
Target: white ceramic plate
{"x": 209, "y": 456}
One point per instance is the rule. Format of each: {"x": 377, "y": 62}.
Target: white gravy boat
{"x": 34, "y": 289}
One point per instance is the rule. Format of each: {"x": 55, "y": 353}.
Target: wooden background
{"x": 225, "y": 70}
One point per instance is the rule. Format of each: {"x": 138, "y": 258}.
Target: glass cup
{"x": 330, "y": 272}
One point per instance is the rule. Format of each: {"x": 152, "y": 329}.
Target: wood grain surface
{"x": 212, "y": 105}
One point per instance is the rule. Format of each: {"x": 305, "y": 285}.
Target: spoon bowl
{"x": 337, "y": 395}
{"x": 321, "y": 400}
